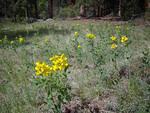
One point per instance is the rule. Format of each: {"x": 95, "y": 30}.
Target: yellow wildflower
{"x": 79, "y": 46}
{"x": 60, "y": 62}
{"x": 21, "y": 40}
{"x": 113, "y": 46}
{"x": 42, "y": 68}
{"x": 118, "y": 27}
{"x": 76, "y": 34}
{"x": 113, "y": 38}
{"x": 90, "y": 36}
{"x": 124, "y": 39}
{"x": 46, "y": 40}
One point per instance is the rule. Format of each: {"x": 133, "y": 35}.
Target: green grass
{"x": 92, "y": 75}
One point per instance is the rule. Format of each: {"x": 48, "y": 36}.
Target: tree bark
{"x": 27, "y": 10}
{"x": 36, "y": 8}
{"x": 98, "y": 11}
{"x": 50, "y": 8}
{"x": 119, "y": 12}
{"x": 82, "y": 11}
{"x": 5, "y": 9}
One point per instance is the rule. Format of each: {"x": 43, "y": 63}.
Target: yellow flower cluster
{"x": 90, "y": 36}
{"x": 17, "y": 40}
{"x": 43, "y": 69}
{"x": 76, "y": 34}
{"x": 118, "y": 27}
{"x": 113, "y": 46}
{"x": 59, "y": 63}
{"x": 124, "y": 39}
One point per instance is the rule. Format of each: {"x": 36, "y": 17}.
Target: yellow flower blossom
{"x": 90, "y": 36}
{"x": 76, "y": 34}
{"x": 60, "y": 62}
{"x": 21, "y": 40}
{"x": 113, "y": 46}
{"x": 46, "y": 40}
{"x": 79, "y": 46}
{"x": 113, "y": 38}
{"x": 42, "y": 68}
{"x": 124, "y": 39}
{"x": 118, "y": 27}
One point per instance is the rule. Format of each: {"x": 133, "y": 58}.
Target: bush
{"x": 131, "y": 9}
{"x": 67, "y": 12}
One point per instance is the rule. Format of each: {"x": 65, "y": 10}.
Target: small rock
{"x": 40, "y": 20}
{"x": 49, "y": 20}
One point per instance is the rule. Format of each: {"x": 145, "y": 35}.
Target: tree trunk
{"x": 5, "y": 9}
{"x": 82, "y": 11}
{"x": 50, "y": 8}
{"x": 27, "y": 9}
{"x": 98, "y": 11}
{"x": 36, "y": 8}
{"x": 119, "y": 12}
{"x": 72, "y": 2}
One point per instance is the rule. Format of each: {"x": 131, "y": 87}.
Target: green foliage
{"x": 42, "y": 5}
{"x": 20, "y": 10}
{"x": 12, "y": 44}
{"x": 146, "y": 58}
{"x": 131, "y": 9}
{"x": 57, "y": 89}
{"x": 85, "y": 2}
{"x": 67, "y": 12}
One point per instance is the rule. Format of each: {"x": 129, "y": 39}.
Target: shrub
{"x": 131, "y": 9}
{"x": 67, "y": 12}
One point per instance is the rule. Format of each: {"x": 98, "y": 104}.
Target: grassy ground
{"x": 101, "y": 79}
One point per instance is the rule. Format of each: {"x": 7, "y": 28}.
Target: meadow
{"x": 74, "y": 67}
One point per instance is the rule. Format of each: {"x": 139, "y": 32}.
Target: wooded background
{"x": 19, "y": 10}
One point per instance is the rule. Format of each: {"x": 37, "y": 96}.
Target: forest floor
{"x": 103, "y": 79}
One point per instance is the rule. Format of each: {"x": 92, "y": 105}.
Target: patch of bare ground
{"x": 105, "y": 104}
